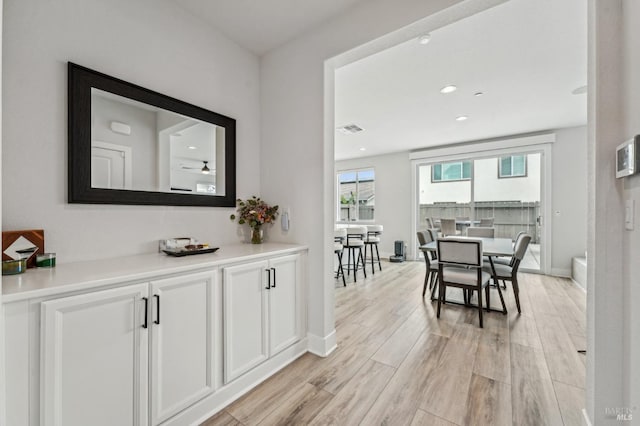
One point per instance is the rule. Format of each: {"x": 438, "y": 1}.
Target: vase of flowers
{"x": 255, "y": 213}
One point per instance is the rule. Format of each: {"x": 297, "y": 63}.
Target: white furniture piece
{"x": 460, "y": 265}
{"x": 259, "y": 320}
{"x": 483, "y": 232}
{"x": 150, "y": 339}
{"x": 510, "y": 272}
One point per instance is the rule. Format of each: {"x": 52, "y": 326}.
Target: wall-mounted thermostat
{"x": 628, "y": 157}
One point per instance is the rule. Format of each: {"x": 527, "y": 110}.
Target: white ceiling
{"x": 525, "y": 55}
{"x": 261, "y": 25}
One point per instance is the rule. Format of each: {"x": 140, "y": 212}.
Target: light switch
{"x": 629, "y": 212}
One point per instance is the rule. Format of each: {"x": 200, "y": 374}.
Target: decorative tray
{"x": 188, "y": 252}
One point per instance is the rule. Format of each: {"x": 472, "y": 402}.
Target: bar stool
{"x": 372, "y": 240}
{"x": 355, "y": 241}
{"x": 338, "y": 237}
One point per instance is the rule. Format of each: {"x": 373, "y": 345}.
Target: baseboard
{"x": 585, "y": 418}
{"x": 561, "y": 272}
{"x": 322, "y": 346}
{"x": 577, "y": 284}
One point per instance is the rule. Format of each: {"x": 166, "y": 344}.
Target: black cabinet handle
{"x": 274, "y": 277}
{"x": 268, "y": 287}
{"x": 157, "y": 321}
{"x": 146, "y": 311}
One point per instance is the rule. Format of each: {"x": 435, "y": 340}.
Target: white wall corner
{"x": 322, "y": 346}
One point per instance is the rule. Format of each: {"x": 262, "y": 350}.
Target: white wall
{"x": 488, "y": 187}
{"x": 2, "y": 373}
{"x": 298, "y": 128}
{"x": 569, "y": 177}
{"x": 152, "y": 43}
{"x": 429, "y": 192}
{"x": 393, "y": 186}
{"x": 608, "y": 333}
{"x": 631, "y": 191}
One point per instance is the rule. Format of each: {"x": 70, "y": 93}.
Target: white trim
{"x": 577, "y": 284}
{"x": 515, "y": 144}
{"x": 585, "y": 418}
{"x": 488, "y": 148}
{"x": 561, "y": 272}
{"x": 322, "y": 346}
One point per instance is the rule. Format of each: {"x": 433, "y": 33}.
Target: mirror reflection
{"x": 136, "y": 146}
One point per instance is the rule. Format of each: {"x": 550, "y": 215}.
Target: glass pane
{"x": 347, "y": 177}
{"x": 437, "y": 172}
{"x": 452, "y": 171}
{"x": 519, "y": 165}
{"x": 466, "y": 170}
{"x": 505, "y": 166}
{"x": 512, "y": 204}
{"x": 365, "y": 196}
{"x": 441, "y": 199}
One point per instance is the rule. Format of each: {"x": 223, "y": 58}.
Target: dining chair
{"x": 372, "y": 239}
{"x": 460, "y": 265}
{"x": 488, "y": 221}
{"x": 354, "y": 243}
{"x": 448, "y": 227}
{"x": 509, "y": 260}
{"x": 425, "y": 237}
{"x": 429, "y": 222}
{"x": 338, "y": 238}
{"x": 510, "y": 272}
{"x": 479, "y": 232}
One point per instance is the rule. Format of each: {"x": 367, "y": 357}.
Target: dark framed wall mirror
{"x": 131, "y": 145}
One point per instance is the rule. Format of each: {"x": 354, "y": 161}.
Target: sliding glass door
{"x": 505, "y": 190}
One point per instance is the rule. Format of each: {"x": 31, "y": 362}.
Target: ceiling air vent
{"x": 350, "y": 129}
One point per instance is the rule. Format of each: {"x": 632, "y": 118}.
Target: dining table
{"x": 491, "y": 247}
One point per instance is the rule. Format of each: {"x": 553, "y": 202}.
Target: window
{"x": 446, "y": 172}
{"x": 356, "y": 195}
{"x": 512, "y": 166}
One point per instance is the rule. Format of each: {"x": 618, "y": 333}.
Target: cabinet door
{"x": 244, "y": 310}
{"x": 95, "y": 359}
{"x": 182, "y": 335}
{"x": 285, "y": 319}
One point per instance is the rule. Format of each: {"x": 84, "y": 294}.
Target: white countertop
{"x": 68, "y": 277}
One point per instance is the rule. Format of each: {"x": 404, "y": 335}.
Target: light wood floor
{"x": 397, "y": 364}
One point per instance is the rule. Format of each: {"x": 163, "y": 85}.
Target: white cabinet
{"x": 149, "y": 340}
{"x": 262, "y": 312}
{"x": 94, "y": 359}
{"x": 182, "y": 332}
{"x": 97, "y": 347}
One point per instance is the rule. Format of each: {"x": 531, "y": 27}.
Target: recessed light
{"x": 448, "y": 89}
{"x": 579, "y": 90}
{"x": 478, "y": 94}
{"x": 461, "y": 118}
{"x": 192, "y": 147}
{"x": 424, "y": 39}
{"x": 363, "y": 149}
